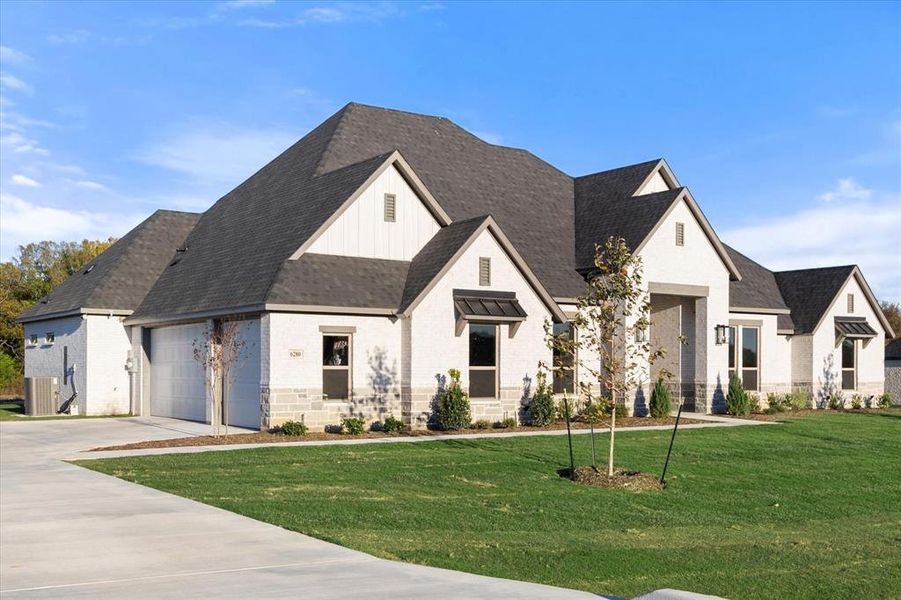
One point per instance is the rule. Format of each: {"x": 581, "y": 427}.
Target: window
{"x": 336, "y": 367}
{"x": 484, "y": 270}
{"x": 565, "y": 381}
{"x": 33, "y": 339}
{"x": 49, "y": 338}
{"x": 849, "y": 364}
{"x": 744, "y": 355}
{"x": 390, "y": 208}
{"x": 850, "y": 303}
{"x": 482, "y": 361}
{"x": 680, "y": 234}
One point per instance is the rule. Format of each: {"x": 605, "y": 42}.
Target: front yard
{"x": 808, "y": 508}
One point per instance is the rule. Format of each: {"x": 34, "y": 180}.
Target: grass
{"x": 808, "y": 508}
{"x": 14, "y": 410}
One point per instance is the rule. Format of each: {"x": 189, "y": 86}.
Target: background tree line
{"x": 35, "y": 270}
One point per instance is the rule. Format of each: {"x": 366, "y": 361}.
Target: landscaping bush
{"x": 541, "y": 408}
{"x": 354, "y": 425}
{"x": 737, "y": 401}
{"x": 561, "y": 409}
{"x": 885, "y": 400}
{"x": 596, "y": 411}
{"x": 294, "y": 428}
{"x": 776, "y": 403}
{"x": 621, "y": 411}
{"x": 453, "y": 405}
{"x": 799, "y": 400}
{"x": 660, "y": 405}
{"x": 856, "y": 402}
{"x": 835, "y": 400}
{"x": 392, "y": 425}
{"x": 482, "y": 424}
{"x": 335, "y": 428}
{"x": 506, "y": 423}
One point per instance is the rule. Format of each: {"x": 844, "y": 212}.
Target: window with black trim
{"x": 33, "y": 339}
{"x": 390, "y": 208}
{"x": 336, "y": 367}
{"x": 482, "y": 360}
{"x": 49, "y": 338}
{"x": 484, "y": 270}
{"x": 744, "y": 355}
{"x": 564, "y": 362}
{"x": 849, "y": 364}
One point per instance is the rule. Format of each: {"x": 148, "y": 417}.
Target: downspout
{"x": 132, "y": 392}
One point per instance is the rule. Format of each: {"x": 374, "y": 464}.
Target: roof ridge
{"x": 341, "y": 115}
{"x": 622, "y": 168}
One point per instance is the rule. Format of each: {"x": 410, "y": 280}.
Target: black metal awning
{"x": 854, "y": 328}
{"x": 488, "y": 306}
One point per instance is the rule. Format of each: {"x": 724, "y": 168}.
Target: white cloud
{"x": 20, "y": 144}
{"x": 92, "y": 185}
{"x": 12, "y": 56}
{"x": 14, "y": 83}
{"x": 24, "y": 181}
{"x": 79, "y": 36}
{"x": 863, "y": 231}
{"x": 348, "y": 11}
{"x": 846, "y": 189}
{"x": 217, "y": 158}
{"x": 236, "y": 4}
{"x": 23, "y": 222}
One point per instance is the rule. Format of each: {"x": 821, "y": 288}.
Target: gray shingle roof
{"x": 435, "y": 255}
{"x": 809, "y": 292}
{"x": 120, "y": 277}
{"x": 340, "y": 281}
{"x": 757, "y": 288}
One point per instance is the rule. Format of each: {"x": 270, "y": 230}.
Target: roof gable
{"x": 757, "y": 288}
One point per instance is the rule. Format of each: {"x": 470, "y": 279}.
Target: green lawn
{"x": 809, "y": 508}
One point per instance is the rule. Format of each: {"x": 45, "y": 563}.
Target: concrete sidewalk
{"x": 67, "y": 532}
{"x": 711, "y": 421}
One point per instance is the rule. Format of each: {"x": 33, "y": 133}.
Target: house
{"x": 893, "y": 369}
{"x": 387, "y": 247}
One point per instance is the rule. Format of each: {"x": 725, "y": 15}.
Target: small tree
{"x": 453, "y": 405}
{"x": 611, "y": 322}
{"x": 738, "y": 403}
{"x": 219, "y": 353}
{"x": 541, "y": 408}
{"x": 660, "y": 406}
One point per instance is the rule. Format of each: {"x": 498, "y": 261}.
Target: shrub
{"x": 856, "y": 402}
{"x": 541, "y": 408}
{"x": 354, "y": 425}
{"x": 835, "y": 400}
{"x": 737, "y": 401}
{"x": 9, "y": 373}
{"x": 392, "y": 425}
{"x": 621, "y": 411}
{"x": 453, "y": 405}
{"x": 482, "y": 424}
{"x": 339, "y": 428}
{"x": 799, "y": 400}
{"x": 505, "y": 423}
{"x": 561, "y": 409}
{"x": 776, "y": 403}
{"x": 885, "y": 400}
{"x": 660, "y": 405}
{"x": 595, "y": 412}
{"x": 293, "y": 428}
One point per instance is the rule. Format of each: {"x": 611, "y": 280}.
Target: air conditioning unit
{"x": 41, "y": 396}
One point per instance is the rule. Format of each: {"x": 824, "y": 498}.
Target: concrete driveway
{"x": 66, "y": 532}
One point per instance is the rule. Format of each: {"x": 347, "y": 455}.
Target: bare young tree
{"x": 610, "y": 342}
{"x": 219, "y": 353}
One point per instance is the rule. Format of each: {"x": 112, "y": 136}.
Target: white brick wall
{"x": 108, "y": 347}
{"x": 363, "y": 231}
{"x": 45, "y": 360}
{"x": 775, "y": 354}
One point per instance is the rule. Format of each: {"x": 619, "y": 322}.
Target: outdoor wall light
{"x": 722, "y": 334}
{"x": 641, "y": 335}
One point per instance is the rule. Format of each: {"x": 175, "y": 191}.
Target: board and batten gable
{"x": 47, "y": 360}
{"x": 826, "y": 355}
{"x": 436, "y": 348}
{"x": 362, "y": 230}
{"x": 695, "y": 263}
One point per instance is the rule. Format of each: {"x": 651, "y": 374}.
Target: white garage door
{"x": 176, "y": 380}
{"x": 243, "y": 394}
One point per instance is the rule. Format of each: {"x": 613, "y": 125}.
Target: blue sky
{"x": 783, "y": 119}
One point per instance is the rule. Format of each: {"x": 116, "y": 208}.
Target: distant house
{"x": 893, "y": 370}
{"x": 386, "y": 247}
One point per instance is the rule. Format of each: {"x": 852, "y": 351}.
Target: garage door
{"x": 243, "y": 394}
{"x": 176, "y": 380}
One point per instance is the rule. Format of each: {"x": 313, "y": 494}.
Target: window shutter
{"x": 680, "y": 234}
{"x": 390, "y": 208}
{"x": 484, "y": 270}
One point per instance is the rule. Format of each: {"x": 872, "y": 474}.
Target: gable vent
{"x": 850, "y": 303}
{"x": 390, "y": 208}
{"x": 484, "y": 270}
{"x": 680, "y": 234}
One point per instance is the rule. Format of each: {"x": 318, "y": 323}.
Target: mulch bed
{"x": 265, "y": 437}
{"x": 622, "y": 479}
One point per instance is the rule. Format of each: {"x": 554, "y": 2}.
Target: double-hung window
{"x": 336, "y": 366}
{"x": 564, "y": 362}
{"x": 483, "y": 360}
{"x": 849, "y": 364}
{"x": 744, "y": 355}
